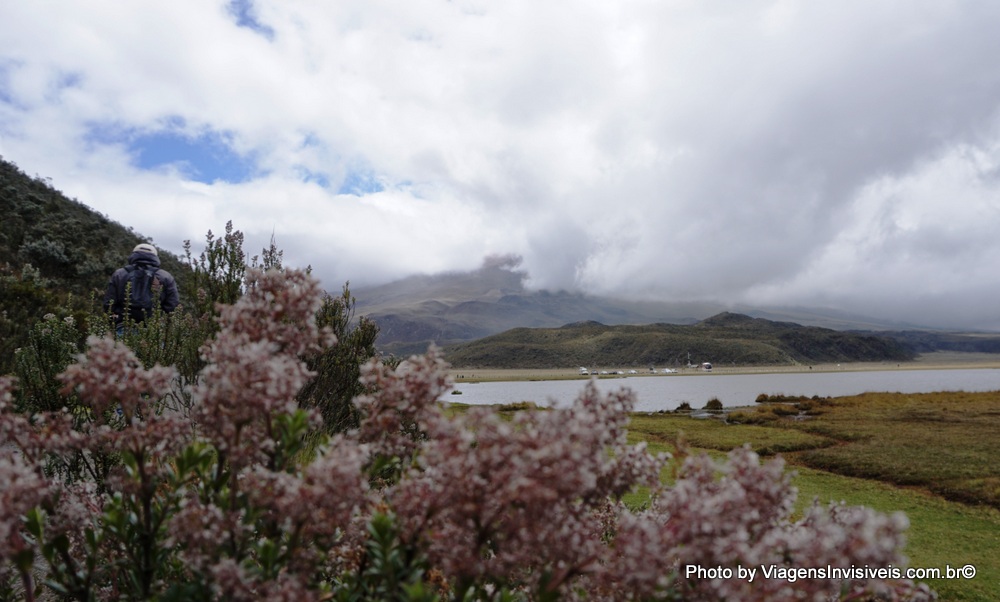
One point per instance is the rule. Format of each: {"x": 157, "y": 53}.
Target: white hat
{"x": 145, "y": 248}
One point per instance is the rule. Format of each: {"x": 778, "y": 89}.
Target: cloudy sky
{"x": 839, "y": 154}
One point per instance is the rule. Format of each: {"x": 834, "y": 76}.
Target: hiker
{"x": 145, "y": 276}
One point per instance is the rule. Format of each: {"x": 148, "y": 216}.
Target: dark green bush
{"x": 52, "y": 344}
{"x": 217, "y": 274}
{"x": 714, "y": 405}
{"x": 24, "y": 299}
{"x": 517, "y": 406}
{"x": 338, "y": 368}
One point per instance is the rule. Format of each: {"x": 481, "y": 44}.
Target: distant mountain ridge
{"x": 456, "y": 307}
{"x": 462, "y": 306}
{"x": 724, "y": 339}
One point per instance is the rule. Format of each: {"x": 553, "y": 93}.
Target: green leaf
{"x": 33, "y": 522}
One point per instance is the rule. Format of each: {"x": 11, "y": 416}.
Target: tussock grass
{"x": 717, "y": 435}
{"x": 947, "y": 443}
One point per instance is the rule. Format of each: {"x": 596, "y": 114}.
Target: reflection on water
{"x": 667, "y": 392}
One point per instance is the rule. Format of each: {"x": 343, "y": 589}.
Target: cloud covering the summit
{"x": 779, "y": 152}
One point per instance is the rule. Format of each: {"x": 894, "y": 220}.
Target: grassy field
{"x": 931, "y": 456}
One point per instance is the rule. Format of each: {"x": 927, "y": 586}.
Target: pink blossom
{"x": 254, "y": 368}
{"x": 109, "y": 376}
{"x": 404, "y": 406}
{"x": 521, "y": 502}
{"x": 319, "y": 508}
{"x": 23, "y": 489}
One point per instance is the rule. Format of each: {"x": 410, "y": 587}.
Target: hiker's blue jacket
{"x": 114, "y": 296}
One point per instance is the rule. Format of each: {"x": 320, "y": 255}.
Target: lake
{"x": 666, "y": 392}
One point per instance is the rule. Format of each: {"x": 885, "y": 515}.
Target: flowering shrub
{"x": 50, "y": 346}
{"x": 243, "y": 498}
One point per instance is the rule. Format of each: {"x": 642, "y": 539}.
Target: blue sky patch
{"x": 245, "y": 15}
{"x": 313, "y": 177}
{"x": 208, "y": 157}
{"x": 360, "y": 183}
{"x": 6, "y": 93}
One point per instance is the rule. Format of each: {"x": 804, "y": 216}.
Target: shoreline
{"x": 939, "y": 360}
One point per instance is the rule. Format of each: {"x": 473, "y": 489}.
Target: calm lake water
{"x": 669, "y": 391}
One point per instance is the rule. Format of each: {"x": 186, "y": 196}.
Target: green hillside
{"x": 54, "y": 252}
{"x": 723, "y": 339}
{"x": 67, "y": 242}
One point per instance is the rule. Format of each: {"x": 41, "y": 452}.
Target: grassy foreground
{"x": 931, "y": 456}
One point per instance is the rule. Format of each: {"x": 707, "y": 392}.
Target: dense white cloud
{"x": 843, "y": 154}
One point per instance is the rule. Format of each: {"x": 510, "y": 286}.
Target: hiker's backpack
{"x": 140, "y": 285}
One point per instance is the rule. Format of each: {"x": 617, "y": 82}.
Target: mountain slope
{"x": 724, "y": 339}
{"x": 71, "y": 251}
{"x": 69, "y": 244}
